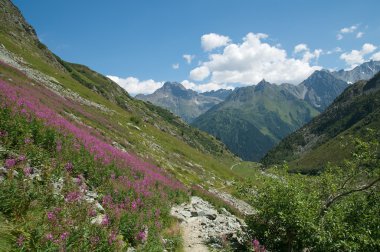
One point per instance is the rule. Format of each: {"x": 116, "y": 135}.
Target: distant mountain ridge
{"x": 220, "y": 93}
{"x": 318, "y": 142}
{"x": 319, "y": 89}
{"x": 252, "y": 119}
{"x": 364, "y": 71}
{"x": 183, "y": 102}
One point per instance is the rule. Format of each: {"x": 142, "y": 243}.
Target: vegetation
{"x": 318, "y": 142}
{"x": 253, "y": 119}
{"x": 336, "y": 211}
{"x": 50, "y": 167}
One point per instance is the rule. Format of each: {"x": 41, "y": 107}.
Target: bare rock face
{"x": 203, "y": 224}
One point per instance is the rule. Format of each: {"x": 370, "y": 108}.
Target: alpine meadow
{"x": 205, "y": 126}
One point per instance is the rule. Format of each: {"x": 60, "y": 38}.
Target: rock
{"x": 98, "y": 219}
{"x": 203, "y": 224}
{"x": 58, "y": 186}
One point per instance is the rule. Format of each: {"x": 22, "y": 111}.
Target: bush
{"x": 338, "y": 210}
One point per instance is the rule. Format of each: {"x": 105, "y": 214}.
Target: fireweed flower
{"x": 69, "y": 167}
{"x": 64, "y": 236}
{"x": 72, "y": 197}
{"x": 51, "y": 216}
{"x": 94, "y": 240}
{"x": 105, "y": 221}
{"x": 142, "y": 236}
{"x": 9, "y": 163}
{"x": 27, "y": 140}
{"x": 112, "y": 237}
{"x": 20, "y": 240}
{"x": 49, "y": 237}
{"x": 27, "y": 171}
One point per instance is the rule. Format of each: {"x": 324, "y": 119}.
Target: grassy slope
{"x": 253, "y": 119}
{"x": 326, "y": 138}
{"x": 159, "y": 137}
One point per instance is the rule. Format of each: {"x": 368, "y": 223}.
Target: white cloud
{"x": 300, "y": 47}
{"x": 349, "y": 29}
{"x": 376, "y": 56}
{"x": 307, "y": 54}
{"x": 251, "y": 61}
{"x": 175, "y": 66}
{"x": 205, "y": 86}
{"x": 356, "y": 57}
{"x": 335, "y": 50}
{"x": 212, "y": 40}
{"x": 199, "y": 73}
{"x": 135, "y": 86}
{"x": 359, "y": 34}
{"x": 189, "y": 58}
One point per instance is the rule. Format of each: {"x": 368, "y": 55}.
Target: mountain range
{"x": 356, "y": 112}
{"x": 253, "y": 119}
{"x": 364, "y": 71}
{"x": 183, "y": 102}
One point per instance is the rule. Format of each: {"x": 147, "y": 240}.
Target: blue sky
{"x": 141, "y": 43}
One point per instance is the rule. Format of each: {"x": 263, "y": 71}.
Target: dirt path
{"x": 201, "y": 223}
{"x": 192, "y": 237}
{"x": 234, "y": 165}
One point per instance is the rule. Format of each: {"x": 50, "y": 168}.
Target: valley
{"x": 248, "y": 166}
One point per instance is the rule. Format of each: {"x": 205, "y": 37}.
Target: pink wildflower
{"x": 27, "y": 171}
{"x": 112, "y": 237}
{"x": 51, "y": 216}
{"x": 9, "y": 163}
{"x": 105, "y": 221}
{"x": 27, "y": 140}
{"x": 72, "y": 196}
{"x": 69, "y": 167}
{"x": 49, "y": 237}
{"x": 64, "y": 236}
{"x": 20, "y": 240}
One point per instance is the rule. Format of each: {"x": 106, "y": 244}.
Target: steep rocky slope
{"x": 252, "y": 119}
{"x": 354, "y": 112}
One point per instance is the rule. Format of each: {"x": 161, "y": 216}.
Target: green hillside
{"x": 153, "y": 133}
{"x": 325, "y": 138}
{"x": 253, "y": 119}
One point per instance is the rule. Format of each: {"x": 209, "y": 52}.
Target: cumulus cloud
{"x": 189, "y": 58}
{"x": 347, "y": 30}
{"x": 253, "y": 60}
{"x": 307, "y": 55}
{"x": 300, "y": 48}
{"x": 212, "y": 40}
{"x": 356, "y": 57}
{"x": 175, "y": 66}
{"x": 376, "y": 56}
{"x": 199, "y": 73}
{"x": 205, "y": 86}
{"x": 359, "y": 34}
{"x": 134, "y": 86}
